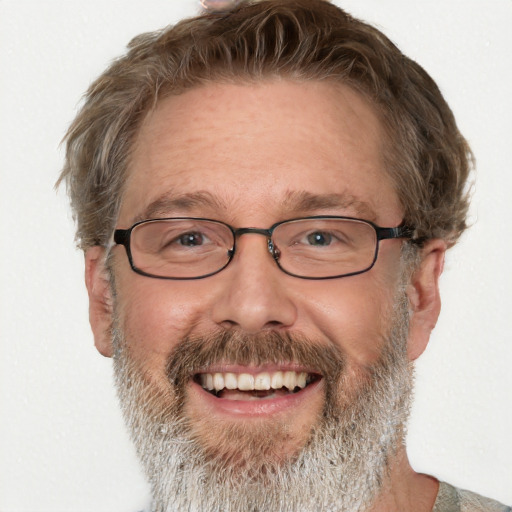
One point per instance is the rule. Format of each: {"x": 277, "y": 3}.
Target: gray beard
{"x": 343, "y": 464}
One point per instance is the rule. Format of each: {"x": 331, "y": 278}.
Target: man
{"x": 265, "y": 196}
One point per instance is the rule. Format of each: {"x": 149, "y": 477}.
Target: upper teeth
{"x": 249, "y": 382}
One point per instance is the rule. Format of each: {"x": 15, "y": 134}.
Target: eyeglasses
{"x": 309, "y": 248}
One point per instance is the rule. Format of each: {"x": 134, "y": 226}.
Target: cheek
{"x": 355, "y": 314}
{"x": 157, "y": 314}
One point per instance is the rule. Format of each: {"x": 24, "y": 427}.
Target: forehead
{"x": 262, "y": 151}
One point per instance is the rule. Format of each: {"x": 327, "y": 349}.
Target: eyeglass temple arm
{"x": 398, "y": 232}
{"x": 121, "y": 236}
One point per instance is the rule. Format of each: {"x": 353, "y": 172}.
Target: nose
{"x": 254, "y": 295}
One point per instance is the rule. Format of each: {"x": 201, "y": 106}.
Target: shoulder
{"x": 451, "y": 499}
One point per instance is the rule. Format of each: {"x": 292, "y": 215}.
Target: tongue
{"x": 235, "y": 394}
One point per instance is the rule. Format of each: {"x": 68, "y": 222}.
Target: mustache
{"x": 235, "y": 347}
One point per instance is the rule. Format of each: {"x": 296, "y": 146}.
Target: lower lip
{"x": 255, "y": 408}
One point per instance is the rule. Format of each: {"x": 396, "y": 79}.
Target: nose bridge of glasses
{"x": 258, "y": 231}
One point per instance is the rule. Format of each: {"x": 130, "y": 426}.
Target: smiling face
{"x": 251, "y": 155}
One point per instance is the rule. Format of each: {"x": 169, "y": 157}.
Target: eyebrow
{"x": 303, "y": 201}
{"x": 296, "y": 203}
{"x": 167, "y": 204}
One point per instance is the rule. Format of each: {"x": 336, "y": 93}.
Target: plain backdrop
{"x": 63, "y": 446}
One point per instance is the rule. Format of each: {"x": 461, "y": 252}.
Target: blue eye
{"x": 319, "y": 238}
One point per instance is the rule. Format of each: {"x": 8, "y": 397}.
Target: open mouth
{"x": 259, "y": 386}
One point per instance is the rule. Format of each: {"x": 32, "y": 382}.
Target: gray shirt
{"x": 451, "y": 499}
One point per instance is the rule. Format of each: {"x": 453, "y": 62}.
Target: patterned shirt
{"x": 451, "y": 499}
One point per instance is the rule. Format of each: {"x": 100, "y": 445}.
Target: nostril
{"x": 272, "y": 324}
{"x": 228, "y": 325}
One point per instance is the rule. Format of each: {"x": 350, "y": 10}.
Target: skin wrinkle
{"x": 176, "y": 143}
{"x": 296, "y": 204}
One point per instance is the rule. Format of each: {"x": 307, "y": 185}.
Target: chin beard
{"x": 341, "y": 465}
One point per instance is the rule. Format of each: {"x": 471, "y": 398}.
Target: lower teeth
{"x": 254, "y": 394}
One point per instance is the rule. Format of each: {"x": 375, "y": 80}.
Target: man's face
{"x": 252, "y": 155}
{"x": 254, "y": 152}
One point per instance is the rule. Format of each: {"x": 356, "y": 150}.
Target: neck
{"x": 405, "y": 489}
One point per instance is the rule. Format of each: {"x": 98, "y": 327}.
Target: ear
{"x": 100, "y": 299}
{"x": 424, "y": 298}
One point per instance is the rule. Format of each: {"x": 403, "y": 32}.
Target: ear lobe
{"x": 424, "y": 298}
{"x": 100, "y": 299}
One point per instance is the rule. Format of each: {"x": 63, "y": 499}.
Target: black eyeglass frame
{"x": 122, "y": 237}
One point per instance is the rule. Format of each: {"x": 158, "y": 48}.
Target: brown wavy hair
{"x": 426, "y": 156}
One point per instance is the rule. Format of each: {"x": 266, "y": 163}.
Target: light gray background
{"x": 63, "y": 446}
